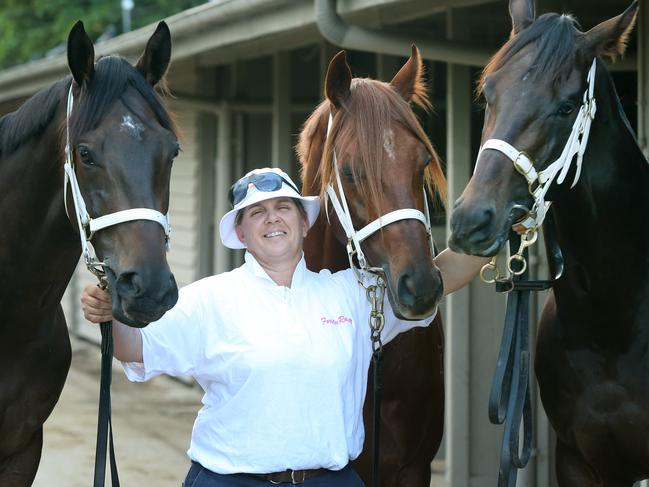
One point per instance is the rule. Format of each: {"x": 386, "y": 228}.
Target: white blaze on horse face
{"x": 388, "y": 144}
{"x": 132, "y": 127}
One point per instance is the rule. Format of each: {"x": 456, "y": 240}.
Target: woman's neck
{"x": 279, "y": 270}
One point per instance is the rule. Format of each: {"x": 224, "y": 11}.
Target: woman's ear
{"x": 240, "y": 234}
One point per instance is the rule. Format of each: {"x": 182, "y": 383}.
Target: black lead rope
{"x": 377, "y": 355}
{"x": 509, "y": 400}
{"x": 104, "y": 424}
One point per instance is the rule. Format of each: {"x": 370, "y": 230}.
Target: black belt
{"x": 289, "y": 476}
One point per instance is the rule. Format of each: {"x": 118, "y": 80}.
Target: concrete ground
{"x": 152, "y": 424}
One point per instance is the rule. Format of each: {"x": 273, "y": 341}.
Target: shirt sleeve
{"x": 173, "y": 345}
{"x": 392, "y": 325}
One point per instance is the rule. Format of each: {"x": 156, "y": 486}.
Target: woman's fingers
{"x": 96, "y": 304}
{"x": 518, "y": 228}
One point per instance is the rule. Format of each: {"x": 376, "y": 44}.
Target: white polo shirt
{"x": 284, "y": 370}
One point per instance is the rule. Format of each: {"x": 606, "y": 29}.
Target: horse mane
{"x": 31, "y": 118}
{"x": 556, "y": 36}
{"x": 113, "y": 75}
{"x": 368, "y": 112}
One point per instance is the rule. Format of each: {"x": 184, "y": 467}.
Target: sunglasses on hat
{"x": 266, "y": 182}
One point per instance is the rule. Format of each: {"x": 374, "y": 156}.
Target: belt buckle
{"x": 294, "y": 481}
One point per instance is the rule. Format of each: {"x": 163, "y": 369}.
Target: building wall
{"x": 227, "y": 112}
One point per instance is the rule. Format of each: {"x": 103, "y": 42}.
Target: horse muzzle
{"x": 140, "y": 298}
{"x": 416, "y": 292}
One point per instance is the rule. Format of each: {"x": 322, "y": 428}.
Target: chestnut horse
{"x": 122, "y": 142}
{"x": 546, "y": 89}
{"x": 385, "y": 159}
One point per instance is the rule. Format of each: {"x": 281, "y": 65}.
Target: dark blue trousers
{"x": 199, "y": 476}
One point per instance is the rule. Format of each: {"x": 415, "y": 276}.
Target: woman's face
{"x": 273, "y": 230}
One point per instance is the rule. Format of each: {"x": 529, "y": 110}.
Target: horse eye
{"x": 84, "y": 154}
{"x": 347, "y": 172}
{"x": 566, "y": 109}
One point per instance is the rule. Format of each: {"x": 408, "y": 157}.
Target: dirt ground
{"x": 152, "y": 424}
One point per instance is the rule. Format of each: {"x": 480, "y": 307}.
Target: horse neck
{"x": 39, "y": 247}
{"x": 600, "y": 223}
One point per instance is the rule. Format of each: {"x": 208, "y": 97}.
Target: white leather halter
{"x": 539, "y": 182}
{"x": 355, "y": 237}
{"x": 88, "y": 226}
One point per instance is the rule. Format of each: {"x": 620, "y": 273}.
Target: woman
{"x": 281, "y": 352}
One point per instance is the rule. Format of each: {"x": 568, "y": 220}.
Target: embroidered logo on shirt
{"x": 341, "y": 320}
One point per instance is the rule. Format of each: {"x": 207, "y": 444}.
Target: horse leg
{"x": 574, "y": 471}
{"x": 19, "y": 469}
{"x": 572, "y": 468}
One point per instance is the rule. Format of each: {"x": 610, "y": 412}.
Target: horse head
{"x": 383, "y": 159}
{"x": 123, "y": 142}
{"x": 539, "y": 106}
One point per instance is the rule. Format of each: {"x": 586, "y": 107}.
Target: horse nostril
{"x": 406, "y": 290}
{"x": 481, "y": 225}
{"x": 129, "y": 285}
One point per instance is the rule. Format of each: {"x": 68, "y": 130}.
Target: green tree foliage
{"x": 29, "y": 29}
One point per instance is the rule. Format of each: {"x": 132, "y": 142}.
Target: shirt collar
{"x": 258, "y": 271}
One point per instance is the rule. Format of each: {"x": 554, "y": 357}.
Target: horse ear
{"x": 338, "y": 80}
{"x": 155, "y": 59}
{"x": 610, "y": 37}
{"x": 522, "y": 14}
{"x": 409, "y": 81}
{"x": 81, "y": 54}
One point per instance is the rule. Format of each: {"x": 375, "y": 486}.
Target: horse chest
{"x": 596, "y": 399}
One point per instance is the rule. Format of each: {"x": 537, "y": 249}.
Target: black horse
{"x": 592, "y": 359}
{"x": 122, "y": 143}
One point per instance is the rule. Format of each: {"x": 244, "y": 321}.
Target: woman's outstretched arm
{"x": 458, "y": 269}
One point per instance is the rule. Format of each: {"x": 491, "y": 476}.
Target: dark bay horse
{"x": 592, "y": 359}
{"x": 384, "y": 160}
{"x": 122, "y": 142}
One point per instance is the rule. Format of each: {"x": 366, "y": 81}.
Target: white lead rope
{"x": 539, "y": 182}
{"x": 88, "y": 226}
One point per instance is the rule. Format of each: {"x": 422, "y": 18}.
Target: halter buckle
{"x": 592, "y": 108}
{"x": 87, "y": 231}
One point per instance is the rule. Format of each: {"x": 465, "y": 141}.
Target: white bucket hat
{"x": 255, "y": 195}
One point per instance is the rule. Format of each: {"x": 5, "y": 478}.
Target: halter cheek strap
{"x": 88, "y": 226}
{"x": 539, "y": 182}
{"x": 356, "y": 237}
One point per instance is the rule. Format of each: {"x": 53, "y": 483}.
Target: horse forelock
{"x": 554, "y": 37}
{"x": 359, "y": 129}
{"x": 113, "y": 76}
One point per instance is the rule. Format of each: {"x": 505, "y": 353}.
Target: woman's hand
{"x": 96, "y": 304}
{"x": 97, "y": 308}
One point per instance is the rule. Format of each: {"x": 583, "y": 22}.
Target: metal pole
{"x": 127, "y": 7}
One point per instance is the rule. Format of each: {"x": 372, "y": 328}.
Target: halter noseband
{"x": 88, "y": 226}
{"x": 539, "y": 182}
{"x": 355, "y": 237}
